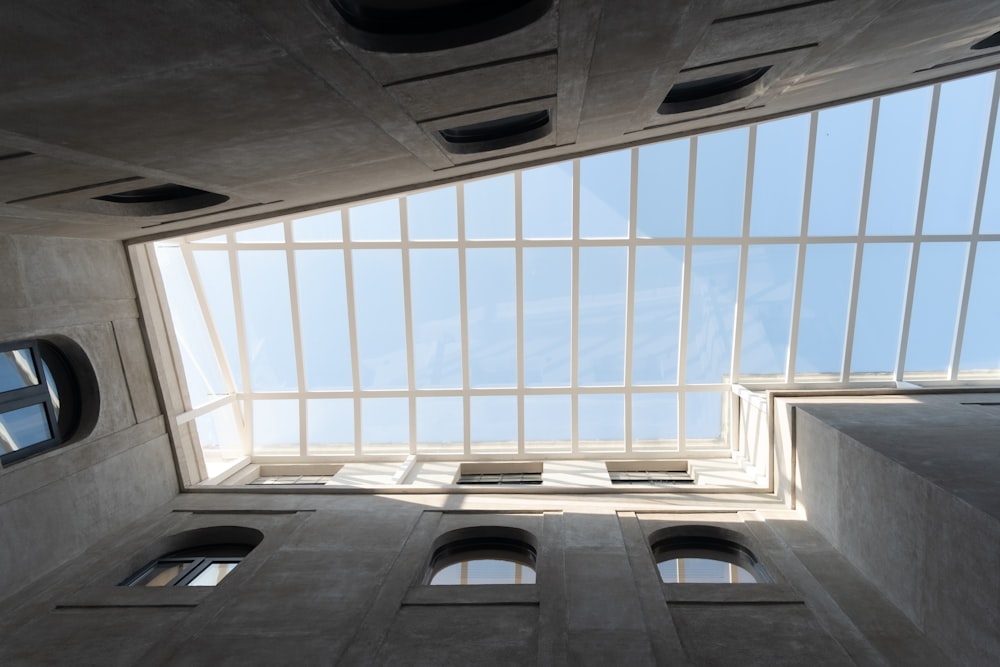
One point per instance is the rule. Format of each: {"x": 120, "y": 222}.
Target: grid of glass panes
{"x": 607, "y": 304}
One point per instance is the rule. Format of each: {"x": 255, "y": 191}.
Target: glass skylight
{"x": 606, "y": 305}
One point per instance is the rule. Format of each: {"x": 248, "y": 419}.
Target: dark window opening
{"x": 711, "y": 91}
{"x": 416, "y": 26}
{"x": 48, "y": 397}
{"x": 164, "y": 199}
{"x": 706, "y": 560}
{"x": 501, "y": 478}
{"x": 499, "y": 133}
{"x": 485, "y": 560}
{"x": 988, "y": 43}
{"x": 199, "y": 566}
{"x": 654, "y": 477}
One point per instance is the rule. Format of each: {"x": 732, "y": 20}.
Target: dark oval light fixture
{"x": 498, "y": 133}
{"x": 417, "y": 26}
{"x": 162, "y": 199}
{"x": 987, "y": 43}
{"x": 711, "y": 91}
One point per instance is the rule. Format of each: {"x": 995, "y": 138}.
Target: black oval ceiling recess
{"x": 417, "y": 26}
{"x": 711, "y": 91}
{"x": 492, "y": 135}
{"x": 157, "y": 200}
{"x": 988, "y": 43}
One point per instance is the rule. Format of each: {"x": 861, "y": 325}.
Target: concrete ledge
{"x": 487, "y": 594}
{"x": 731, "y": 593}
{"x": 139, "y": 596}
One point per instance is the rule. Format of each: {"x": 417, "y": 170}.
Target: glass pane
{"x": 980, "y": 352}
{"x": 601, "y": 422}
{"x": 900, "y": 145}
{"x": 959, "y": 140}
{"x": 489, "y": 208}
{"x": 779, "y": 177}
{"x": 940, "y": 277}
{"x": 493, "y": 422}
{"x": 702, "y": 418}
{"x": 375, "y": 222}
{"x": 703, "y": 571}
{"x": 547, "y": 423}
{"x": 322, "y": 227}
{"x": 547, "y": 202}
{"x": 161, "y": 574}
{"x": 213, "y": 574}
{"x": 492, "y": 317}
{"x": 268, "y": 314}
{"x": 767, "y": 309}
{"x": 839, "y": 169}
{"x": 326, "y": 342}
{"x": 23, "y": 427}
{"x": 379, "y": 318}
{"x": 276, "y": 427}
{"x": 476, "y": 571}
{"x": 330, "y": 426}
{"x": 217, "y": 288}
{"x": 17, "y": 369}
{"x": 990, "y": 222}
{"x": 201, "y": 367}
{"x": 826, "y": 293}
{"x": 885, "y": 270}
{"x": 437, "y": 322}
{"x": 714, "y": 274}
{"x": 656, "y": 314}
{"x": 548, "y": 316}
{"x": 272, "y": 233}
{"x": 720, "y": 183}
{"x": 220, "y": 438}
{"x": 440, "y": 425}
{"x": 654, "y": 421}
{"x": 385, "y": 425}
{"x": 433, "y": 215}
{"x": 601, "y": 323}
{"x": 663, "y": 189}
{"x": 604, "y": 195}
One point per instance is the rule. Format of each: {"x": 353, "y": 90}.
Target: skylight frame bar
{"x": 574, "y": 335}
{"x": 633, "y": 209}
{"x": 685, "y": 296}
{"x": 352, "y": 324}
{"x": 918, "y": 231}
{"x": 519, "y": 303}
{"x": 800, "y": 267}
{"x": 411, "y": 381}
{"x": 859, "y": 250}
{"x": 300, "y": 366}
{"x": 494, "y": 391}
{"x": 235, "y": 282}
{"x": 741, "y": 284}
{"x": 463, "y": 298}
{"x": 970, "y": 262}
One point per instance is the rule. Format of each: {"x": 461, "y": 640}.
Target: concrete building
{"x": 867, "y": 509}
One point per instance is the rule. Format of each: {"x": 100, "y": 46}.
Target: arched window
{"x": 711, "y": 91}
{"x": 497, "y": 556}
{"x": 200, "y": 566}
{"x": 200, "y": 557}
{"x": 706, "y": 560}
{"x": 48, "y": 396}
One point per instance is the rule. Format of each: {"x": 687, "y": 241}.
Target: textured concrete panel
{"x": 132, "y": 350}
{"x": 60, "y": 271}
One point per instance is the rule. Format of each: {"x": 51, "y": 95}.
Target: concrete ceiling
{"x": 272, "y": 106}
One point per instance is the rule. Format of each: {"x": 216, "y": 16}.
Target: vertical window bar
{"x": 519, "y": 305}
{"x": 852, "y": 312}
{"x": 970, "y": 264}
{"x": 352, "y": 325}
{"x": 630, "y": 293}
{"x": 741, "y": 285}
{"x": 793, "y": 338}
{"x": 904, "y": 332}
{"x": 300, "y": 367}
{"x": 411, "y": 383}
{"x": 685, "y": 296}
{"x": 463, "y": 298}
{"x": 241, "y": 341}
{"x": 575, "y": 316}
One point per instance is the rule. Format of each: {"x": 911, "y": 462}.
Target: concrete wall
{"x": 55, "y": 505}
{"x": 905, "y": 488}
{"x": 338, "y": 579}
